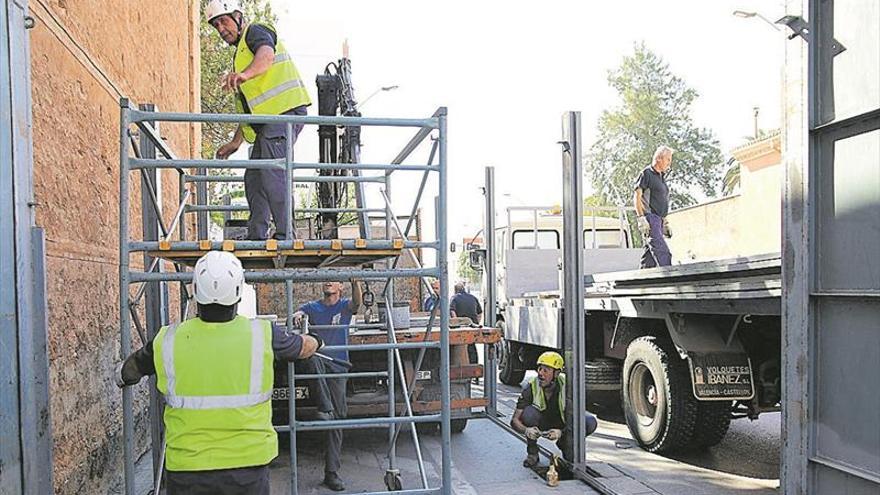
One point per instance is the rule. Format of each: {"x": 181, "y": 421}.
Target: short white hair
{"x": 662, "y": 150}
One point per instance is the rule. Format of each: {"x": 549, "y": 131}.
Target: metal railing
{"x": 192, "y": 173}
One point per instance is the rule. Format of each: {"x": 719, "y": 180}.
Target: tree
{"x": 216, "y": 60}
{"x": 655, "y": 109}
{"x": 731, "y": 180}
{"x": 465, "y": 271}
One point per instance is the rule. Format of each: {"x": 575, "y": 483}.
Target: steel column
{"x": 124, "y": 317}
{"x": 574, "y": 330}
{"x": 443, "y": 264}
{"x": 489, "y": 372}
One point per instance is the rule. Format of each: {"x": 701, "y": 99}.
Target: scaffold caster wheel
{"x": 392, "y": 480}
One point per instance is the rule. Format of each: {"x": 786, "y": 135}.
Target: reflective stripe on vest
{"x": 273, "y": 92}
{"x": 255, "y": 395}
{"x": 540, "y": 402}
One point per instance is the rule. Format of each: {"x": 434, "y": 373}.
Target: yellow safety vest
{"x": 540, "y": 402}
{"x": 273, "y": 92}
{"x": 217, "y": 382}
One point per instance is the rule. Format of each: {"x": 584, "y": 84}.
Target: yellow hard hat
{"x": 552, "y": 359}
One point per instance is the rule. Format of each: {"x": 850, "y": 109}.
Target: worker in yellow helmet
{"x": 215, "y": 372}
{"x": 540, "y": 410}
{"x": 265, "y": 81}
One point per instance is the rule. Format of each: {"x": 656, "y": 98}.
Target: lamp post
{"x": 374, "y": 93}
{"x": 746, "y": 15}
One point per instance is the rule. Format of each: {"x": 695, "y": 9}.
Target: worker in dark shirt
{"x": 431, "y": 299}
{"x": 215, "y": 372}
{"x": 464, "y": 304}
{"x": 651, "y": 199}
{"x": 265, "y": 81}
{"x": 540, "y": 409}
{"x": 331, "y": 310}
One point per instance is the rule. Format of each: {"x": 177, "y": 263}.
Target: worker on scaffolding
{"x": 540, "y": 409}
{"x": 335, "y": 311}
{"x": 215, "y": 372}
{"x": 651, "y": 200}
{"x": 265, "y": 81}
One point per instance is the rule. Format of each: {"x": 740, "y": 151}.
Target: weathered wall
{"x": 84, "y": 53}
{"x": 745, "y": 224}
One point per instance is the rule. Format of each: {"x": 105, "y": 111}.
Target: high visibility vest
{"x": 273, "y": 92}
{"x": 540, "y": 402}
{"x": 217, "y": 382}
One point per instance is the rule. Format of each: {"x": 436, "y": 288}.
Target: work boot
{"x": 333, "y": 481}
{"x": 530, "y": 461}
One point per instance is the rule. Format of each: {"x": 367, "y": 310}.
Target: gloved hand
{"x": 319, "y": 339}
{"x": 553, "y": 434}
{"x": 666, "y": 231}
{"x": 127, "y": 375}
{"x": 533, "y": 433}
{"x": 643, "y": 225}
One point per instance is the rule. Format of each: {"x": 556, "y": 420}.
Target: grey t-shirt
{"x": 655, "y": 192}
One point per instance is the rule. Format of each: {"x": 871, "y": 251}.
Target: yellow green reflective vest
{"x": 217, "y": 383}
{"x": 540, "y": 402}
{"x": 273, "y": 92}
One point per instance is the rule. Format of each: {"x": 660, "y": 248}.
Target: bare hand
{"x": 227, "y": 149}
{"x": 233, "y": 81}
{"x": 553, "y": 434}
{"x": 298, "y": 318}
{"x": 532, "y": 433}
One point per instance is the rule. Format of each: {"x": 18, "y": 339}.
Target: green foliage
{"x": 730, "y": 181}
{"x": 464, "y": 271}
{"x": 655, "y": 109}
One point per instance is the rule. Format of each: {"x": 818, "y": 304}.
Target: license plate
{"x": 423, "y": 375}
{"x": 721, "y": 376}
{"x": 284, "y": 393}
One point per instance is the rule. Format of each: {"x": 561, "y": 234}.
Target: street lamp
{"x": 746, "y": 15}
{"x": 374, "y": 93}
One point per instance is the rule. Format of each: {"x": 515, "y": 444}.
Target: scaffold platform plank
{"x": 252, "y": 259}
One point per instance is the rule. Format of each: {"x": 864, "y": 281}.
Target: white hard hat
{"x": 216, "y": 8}
{"x": 218, "y": 279}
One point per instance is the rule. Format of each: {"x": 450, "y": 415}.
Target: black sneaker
{"x": 333, "y": 482}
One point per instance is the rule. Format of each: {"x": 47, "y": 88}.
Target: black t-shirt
{"x": 655, "y": 192}
{"x": 550, "y": 418}
{"x": 464, "y": 304}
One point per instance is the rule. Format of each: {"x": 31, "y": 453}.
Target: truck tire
{"x": 713, "y": 421}
{"x": 458, "y": 425}
{"x": 510, "y": 369}
{"x": 658, "y": 402}
{"x": 603, "y": 374}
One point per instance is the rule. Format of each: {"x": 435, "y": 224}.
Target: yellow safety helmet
{"x": 552, "y": 359}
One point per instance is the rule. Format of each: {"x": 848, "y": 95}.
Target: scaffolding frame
{"x": 158, "y": 243}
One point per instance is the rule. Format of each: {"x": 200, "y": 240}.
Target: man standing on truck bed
{"x": 265, "y": 81}
{"x": 331, "y": 310}
{"x": 540, "y": 409}
{"x": 215, "y": 372}
{"x": 464, "y": 304}
{"x": 652, "y": 204}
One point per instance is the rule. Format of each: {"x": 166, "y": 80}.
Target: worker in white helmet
{"x": 265, "y": 81}
{"x": 215, "y": 372}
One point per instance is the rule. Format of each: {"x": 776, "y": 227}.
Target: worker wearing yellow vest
{"x": 215, "y": 372}
{"x": 540, "y": 409}
{"x": 265, "y": 81}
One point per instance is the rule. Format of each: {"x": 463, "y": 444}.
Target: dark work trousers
{"x": 264, "y": 188}
{"x": 656, "y": 251}
{"x": 239, "y": 481}
{"x": 531, "y": 416}
{"x": 329, "y": 397}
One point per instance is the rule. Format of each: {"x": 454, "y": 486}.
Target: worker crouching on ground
{"x": 336, "y": 310}
{"x": 265, "y": 81}
{"x": 215, "y": 372}
{"x": 540, "y": 409}
{"x": 651, "y": 199}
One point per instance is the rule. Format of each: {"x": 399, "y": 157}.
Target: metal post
{"x": 574, "y": 331}
{"x": 182, "y": 195}
{"x": 445, "y": 432}
{"x": 155, "y": 299}
{"x": 124, "y": 321}
{"x": 291, "y": 417}
{"x": 389, "y": 307}
{"x": 489, "y": 371}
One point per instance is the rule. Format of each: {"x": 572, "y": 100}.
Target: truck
{"x": 686, "y": 348}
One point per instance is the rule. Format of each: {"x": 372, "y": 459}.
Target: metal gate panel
{"x": 831, "y": 263}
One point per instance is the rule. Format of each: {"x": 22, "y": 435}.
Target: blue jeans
{"x": 656, "y": 250}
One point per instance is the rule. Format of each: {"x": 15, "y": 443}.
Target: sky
{"x": 507, "y": 71}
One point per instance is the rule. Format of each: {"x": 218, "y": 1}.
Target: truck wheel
{"x": 603, "y": 374}
{"x": 458, "y": 425}
{"x": 510, "y": 370}
{"x": 713, "y": 421}
{"x": 658, "y": 403}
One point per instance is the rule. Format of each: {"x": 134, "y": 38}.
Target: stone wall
{"x": 84, "y": 54}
